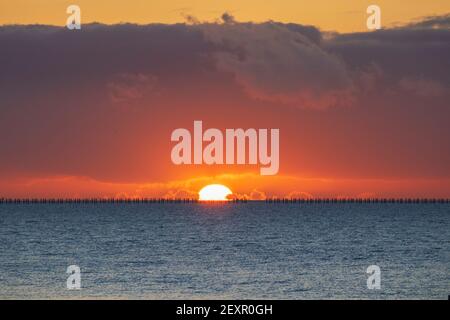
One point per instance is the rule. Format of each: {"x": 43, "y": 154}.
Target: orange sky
{"x": 342, "y": 16}
{"x": 90, "y": 113}
{"x": 249, "y": 186}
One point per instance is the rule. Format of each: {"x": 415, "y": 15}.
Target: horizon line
{"x": 330, "y": 200}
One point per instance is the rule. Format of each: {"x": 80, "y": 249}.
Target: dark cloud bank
{"x": 58, "y": 88}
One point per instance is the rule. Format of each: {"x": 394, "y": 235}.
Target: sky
{"x": 342, "y": 16}
{"x": 90, "y": 112}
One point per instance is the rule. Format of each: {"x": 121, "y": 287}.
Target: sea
{"x": 253, "y": 250}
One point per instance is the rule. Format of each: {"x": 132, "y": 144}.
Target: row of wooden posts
{"x": 186, "y": 200}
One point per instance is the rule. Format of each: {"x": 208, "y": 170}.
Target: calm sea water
{"x": 252, "y": 250}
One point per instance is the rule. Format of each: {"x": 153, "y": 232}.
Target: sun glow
{"x": 214, "y": 192}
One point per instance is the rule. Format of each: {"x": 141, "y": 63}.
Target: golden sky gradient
{"x": 342, "y": 16}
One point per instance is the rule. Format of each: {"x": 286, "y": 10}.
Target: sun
{"x": 214, "y": 192}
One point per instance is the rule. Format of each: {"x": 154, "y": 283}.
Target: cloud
{"x": 281, "y": 63}
{"x": 422, "y": 87}
{"x": 404, "y": 52}
{"x": 287, "y": 64}
{"x": 299, "y": 195}
{"x": 181, "y": 194}
{"x": 228, "y": 18}
{"x": 62, "y": 94}
{"x": 255, "y": 195}
{"x": 431, "y": 22}
{"x": 127, "y": 86}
